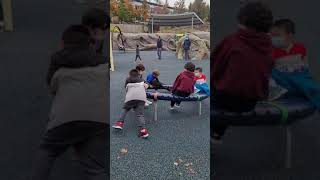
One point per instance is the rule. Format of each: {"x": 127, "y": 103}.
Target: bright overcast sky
{"x": 187, "y": 2}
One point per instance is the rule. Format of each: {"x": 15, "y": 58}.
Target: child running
{"x": 184, "y": 84}
{"x": 135, "y": 99}
{"x": 138, "y": 53}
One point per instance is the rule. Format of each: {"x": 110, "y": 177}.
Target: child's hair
{"x": 76, "y": 35}
{"x": 256, "y": 15}
{"x": 190, "y": 66}
{"x": 137, "y": 45}
{"x": 285, "y": 24}
{"x": 199, "y": 69}
{"x": 96, "y": 18}
{"x": 140, "y": 67}
{"x": 134, "y": 73}
{"x": 156, "y": 72}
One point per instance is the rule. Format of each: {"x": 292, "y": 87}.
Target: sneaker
{"x": 177, "y": 105}
{"x": 143, "y": 133}
{"x": 171, "y": 107}
{"x": 118, "y": 125}
{"x": 146, "y": 104}
{"x": 149, "y": 102}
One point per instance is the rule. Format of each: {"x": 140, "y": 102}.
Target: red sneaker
{"x": 143, "y": 133}
{"x": 118, "y": 125}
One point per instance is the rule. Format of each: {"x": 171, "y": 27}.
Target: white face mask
{"x": 197, "y": 74}
{"x": 278, "y": 42}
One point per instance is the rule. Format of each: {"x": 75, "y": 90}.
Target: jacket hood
{"x": 134, "y": 80}
{"x": 138, "y": 84}
{"x": 78, "y": 57}
{"x": 257, "y": 40}
{"x": 188, "y": 74}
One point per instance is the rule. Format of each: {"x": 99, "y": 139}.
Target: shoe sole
{"x": 117, "y": 127}
{"x": 144, "y": 136}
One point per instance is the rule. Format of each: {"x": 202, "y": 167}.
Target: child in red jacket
{"x": 184, "y": 84}
{"x": 242, "y": 64}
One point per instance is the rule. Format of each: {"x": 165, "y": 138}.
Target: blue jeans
{"x": 159, "y": 52}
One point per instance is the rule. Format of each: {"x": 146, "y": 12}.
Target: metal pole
{"x": 192, "y": 22}
{"x": 7, "y": 15}
{"x": 288, "y": 147}
{"x": 200, "y": 108}
{"x": 152, "y": 25}
{"x": 155, "y": 105}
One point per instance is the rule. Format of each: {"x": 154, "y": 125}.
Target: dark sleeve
{"x": 176, "y": 83}
{"x": 53, "y": 67}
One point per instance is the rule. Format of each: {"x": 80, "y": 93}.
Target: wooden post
{"x": 7, "y": 15}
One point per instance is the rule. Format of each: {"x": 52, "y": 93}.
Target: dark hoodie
{"x": 73, "y": 57}
{"x": 241, "y": 65}
{"x": 184, "y": 82}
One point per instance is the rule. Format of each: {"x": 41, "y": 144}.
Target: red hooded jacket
{"x": 184, "y": 82}
{"x": 242, "y": 63}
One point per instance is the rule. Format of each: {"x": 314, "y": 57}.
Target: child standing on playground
{"x": 240, "y": 76}
{"x": 184, "y": 84}
{"x": 141, "y": 70}
{"x": 135, "y": 99}
{"x": 186, "y": 47}
{"x": 138, "y": 53}
{"x": 78, "y": 118}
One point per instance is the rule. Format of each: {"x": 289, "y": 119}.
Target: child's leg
{"x": 123, "y": 115}
{"x": 139, "y": 110}
{"x": 181, "y": 94}
{"x": 172, "y": 103}
{"x": 139, "y": 57}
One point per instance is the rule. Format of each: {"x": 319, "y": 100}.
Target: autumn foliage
{"x": 127, "y": 12}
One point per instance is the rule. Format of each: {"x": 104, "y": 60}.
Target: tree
{"x": 179, "y": 6}
{"x": 201, "y": 8}
{"x": 144, "y": 10}
{"x": 123, "y": 12}
{"x": 131, "y": 10}
{"x": 114, "y": 7}
{"x": 165, "y": 9}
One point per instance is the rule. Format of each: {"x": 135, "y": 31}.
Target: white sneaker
{"x": 148, "y": 102}
{"x": 177, "y": 106}
{"x": 171, "y": 108}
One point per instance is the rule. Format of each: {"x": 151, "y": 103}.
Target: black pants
{"x": 181, "y": 94}
{"x": 138, "y": 56}
{"x": 229, "y": 103}
{"x": 156, "y": 84}
{"x": 90, "y": 144}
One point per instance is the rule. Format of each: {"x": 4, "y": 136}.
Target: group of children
{"x": 136, "y": 86}
{"x": 241, "y": 76}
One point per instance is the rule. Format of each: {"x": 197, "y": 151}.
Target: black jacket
{"x": 73, "y": 57}
{"x": 159, "y": 43}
